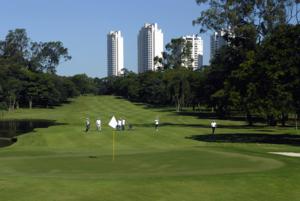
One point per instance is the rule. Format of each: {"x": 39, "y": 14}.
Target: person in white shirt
{"x": 123, "y": 124}
{"x": 98, "y": 124}
{"x": 119, "y": 124}
{"x": 213, "y": 126}
{"x": 87, "y": 125}
{"x": 156, "y": 124}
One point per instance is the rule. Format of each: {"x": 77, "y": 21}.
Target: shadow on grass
{"x": 285, "y": 139}
{"x": 210, "y": 115}
{"x": 261, "y": 128}
{"x": 198, "y": 114}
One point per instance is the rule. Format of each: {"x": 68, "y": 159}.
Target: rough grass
{"x": 179, "y": 162}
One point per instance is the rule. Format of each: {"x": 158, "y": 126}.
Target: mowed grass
{"x": 63, "y": 163}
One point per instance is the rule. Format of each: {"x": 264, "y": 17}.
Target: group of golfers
{"x": 121, "y": 125}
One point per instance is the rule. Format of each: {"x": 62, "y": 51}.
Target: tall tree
{"x": 178, "y": 86}
{"x": 47, "y": 56}
{"x": 23, "y": 65}
{"x": 179, "y": 53}
{"x": 15, "y": 46}
{"x": 230, "y": 15}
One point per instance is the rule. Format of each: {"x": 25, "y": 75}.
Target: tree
{"x": 84, "y": 84}
{"x": 230, "y": 16}
{"x": 43, "y": 56}
{"x": 179, "y": 53}
{"x": 267, "y": 83}
{"x": 3, "y": 105}
{"x": 15, "y": 46}
{"x": 279, "y": 57}
{"x": 31, "y": 88}
{"x": 178, "y": 86}
{"x": 197, "y": 81}
{"x": 26, "y": 71}
{"x": 47, "y": 56}
{"x": 152, "y": 88}
{"x": 240, "y": 76}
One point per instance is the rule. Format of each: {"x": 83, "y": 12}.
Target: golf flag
{"x": 113, "y": 122}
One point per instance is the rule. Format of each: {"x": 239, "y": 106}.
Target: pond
{"x": 10, "y": 129}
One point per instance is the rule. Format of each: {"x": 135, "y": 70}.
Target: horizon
{"x": 83, "y": 27}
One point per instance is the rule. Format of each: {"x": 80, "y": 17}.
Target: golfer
{"x": 156, "y": 124}
{"x": 98, "y": 124}
{"x": 213, "y": 126}
{"x": 87, "y": 125}
{"x": 123, "y": 124}
{"x": 119, "y": 124}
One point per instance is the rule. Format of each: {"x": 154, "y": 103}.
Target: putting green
{"x": 170, "y": 163}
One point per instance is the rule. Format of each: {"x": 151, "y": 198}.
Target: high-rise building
{"x": 196, "y": 51}
{"x": 217, "y": 40}
{"x": 115, "y": 53}
{"x": 150, "y": 45}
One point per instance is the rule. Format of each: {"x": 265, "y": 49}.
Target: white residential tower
{"x": 217, "y": 40}
{"x": 115, "y": 53}
{"x": 150, "y": 45}
{"x": 197, "y": 50}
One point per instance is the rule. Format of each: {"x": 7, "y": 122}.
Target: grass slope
{"x": 63, "y": 163}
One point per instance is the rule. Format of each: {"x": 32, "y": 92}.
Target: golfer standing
{"x": 87, "y": 125}
{"x": 213, "y": 126}
{"x": 156, "y": 124}
{"x": 119, "y": 124}
{"x": 98, "y": 124}
{"x": 123, "y": 124}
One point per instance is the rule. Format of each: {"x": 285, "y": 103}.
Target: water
{"x": 10, "y": 129}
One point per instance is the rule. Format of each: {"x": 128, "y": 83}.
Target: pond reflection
{"x": 9, "y": 129}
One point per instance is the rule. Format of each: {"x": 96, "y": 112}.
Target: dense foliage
{"x": 27, "y": 72}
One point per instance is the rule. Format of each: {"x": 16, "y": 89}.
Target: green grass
{"x": 62, "y": 163}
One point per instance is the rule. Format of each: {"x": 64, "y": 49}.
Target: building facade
{"x": 115, "y": 53}
{"x": 196, "y": 51}
{"x": 217, "y": 40}
{"x": 150, "y": 45}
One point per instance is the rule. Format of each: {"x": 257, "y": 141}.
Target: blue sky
{"x": 82, "y": 26}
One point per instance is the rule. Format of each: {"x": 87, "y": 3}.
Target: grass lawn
{"x": 178, "y": 163}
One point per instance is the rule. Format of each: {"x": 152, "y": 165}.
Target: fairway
{"x": 63, "y": 163}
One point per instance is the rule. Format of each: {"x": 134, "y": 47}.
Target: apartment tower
{"x": 150, "y": 45}
{"x": 115, "y": 53}
{"x": 196, "y": 51}
{"x": 217, "y": 40}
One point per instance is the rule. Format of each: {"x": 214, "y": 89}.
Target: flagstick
{"x": 113, "y": 156}
{"x": 113, "y": 123}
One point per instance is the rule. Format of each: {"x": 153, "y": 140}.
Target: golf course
{"x": 179, "y": 162}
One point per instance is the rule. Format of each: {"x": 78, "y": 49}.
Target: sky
{"x": 82, "y": 26}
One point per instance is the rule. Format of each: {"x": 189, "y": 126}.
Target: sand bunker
{"x": 292, "y": 154}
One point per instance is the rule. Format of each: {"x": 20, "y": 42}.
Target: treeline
{"x": 27, "y": 73}
{"x": 258, "y": 71}
{"x": 178, "y": 87}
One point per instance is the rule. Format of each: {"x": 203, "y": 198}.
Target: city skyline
{"x": 82, "y": 27}
{"x": 150, "y": 45}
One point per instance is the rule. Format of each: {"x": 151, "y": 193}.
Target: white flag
{"x": 113, "y": 122}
